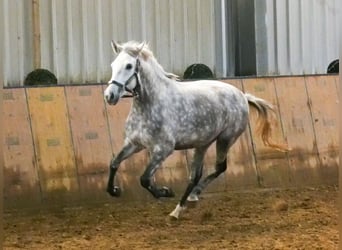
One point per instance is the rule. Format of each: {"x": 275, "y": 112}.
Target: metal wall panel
{"x": 75, "y": 35}
{"x": 16, "y": 41}
{"x": 291, "y": 37}
{"x": 296, "y": 37}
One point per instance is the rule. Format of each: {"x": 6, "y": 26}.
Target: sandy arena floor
{"x": 261, "y": 219}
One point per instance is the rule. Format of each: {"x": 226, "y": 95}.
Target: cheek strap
{"x": 135, "y": 91}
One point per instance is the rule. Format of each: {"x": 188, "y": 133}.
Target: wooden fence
{"x": 58, "y": 142}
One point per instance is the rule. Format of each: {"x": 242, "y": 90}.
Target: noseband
{"x": 135, "y": 91}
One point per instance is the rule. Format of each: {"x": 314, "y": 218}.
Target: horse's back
{"x": 206, "y": 83}
{"x": 222, "y": 93}
{"x": 209, "y": 85}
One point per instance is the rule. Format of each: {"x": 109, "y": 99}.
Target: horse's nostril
{"x": 111, "y": 96}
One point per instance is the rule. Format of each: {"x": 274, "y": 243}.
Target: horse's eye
{"x": 129, "y": 66}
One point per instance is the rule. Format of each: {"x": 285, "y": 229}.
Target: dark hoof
{"x": 166, "y": 192}
{"x": 114, "y": 191}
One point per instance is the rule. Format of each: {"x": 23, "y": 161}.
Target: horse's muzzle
{"x": 110, "y": 98}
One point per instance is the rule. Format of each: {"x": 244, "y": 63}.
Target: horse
{"x": 167, "y": 115}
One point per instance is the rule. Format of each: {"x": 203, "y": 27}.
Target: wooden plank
{"x": 93, "y": 186}
{"x": 324, "y": 107}
{"x": 53, "y": 144}
{"x": 21, "y": 182}
{"x": 298, "y": 130}
{"x": 91, "y": 140}
{"x": 272, "y": 164}
{"x": 337, "y": 82}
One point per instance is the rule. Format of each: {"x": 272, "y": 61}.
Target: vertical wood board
{"x": 272, "y": 164}
{"x": 52, "y": 141}
{"x": 323, "y": 99}
{"x": 298, "y": 129}
{"x": 21, "y": 182}
{"x": 91, "y": 138}
{"x": 89, "y": 128}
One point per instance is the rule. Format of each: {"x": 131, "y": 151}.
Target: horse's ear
{"x": 141, "y": 46}
{"x": 116, "y": 47}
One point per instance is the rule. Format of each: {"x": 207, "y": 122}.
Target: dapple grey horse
{"x": 168, "y": 115}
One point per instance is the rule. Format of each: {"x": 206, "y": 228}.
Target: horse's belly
{"x": 193, "y": 140}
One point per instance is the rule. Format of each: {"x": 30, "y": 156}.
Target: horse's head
{"x": 125, "y": 73}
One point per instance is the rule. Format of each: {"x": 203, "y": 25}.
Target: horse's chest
{"x": 142, "y": 129}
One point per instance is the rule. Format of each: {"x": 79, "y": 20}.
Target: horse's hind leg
{"x": 195, "y": 176}
{"x": 222, "y": 147}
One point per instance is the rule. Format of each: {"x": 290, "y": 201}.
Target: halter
{"x": 136, "y": 90}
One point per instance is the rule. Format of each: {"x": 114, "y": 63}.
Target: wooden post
{"x": 36, "y": 34}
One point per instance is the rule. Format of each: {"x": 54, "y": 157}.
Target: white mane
{"x": 133, "y": 48}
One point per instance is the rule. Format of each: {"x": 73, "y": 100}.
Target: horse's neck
{"x": 155, "y": 86}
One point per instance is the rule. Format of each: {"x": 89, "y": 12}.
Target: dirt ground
{"x": 259, "y": 219}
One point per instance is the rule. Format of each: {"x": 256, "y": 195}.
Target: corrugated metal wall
{"x": 296, "y": 37}
{"x": 76, "y": 35}
{"x": 291, "y": 36}
{"x": 16, "y": 40}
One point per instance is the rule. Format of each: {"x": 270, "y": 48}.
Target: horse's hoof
{"x": 175, "y": 213}
{"x": 167, "y": 192}
{"x": 172, "y": 218}
{"x": 114, "y": 191}
{"x": 172, "y": 221}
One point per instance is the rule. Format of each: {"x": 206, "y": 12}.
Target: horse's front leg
{"x": 125, "y": 152}
{"x": 158, "y": 155}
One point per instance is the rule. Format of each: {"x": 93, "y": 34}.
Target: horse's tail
{"x": 265, "y": 128}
